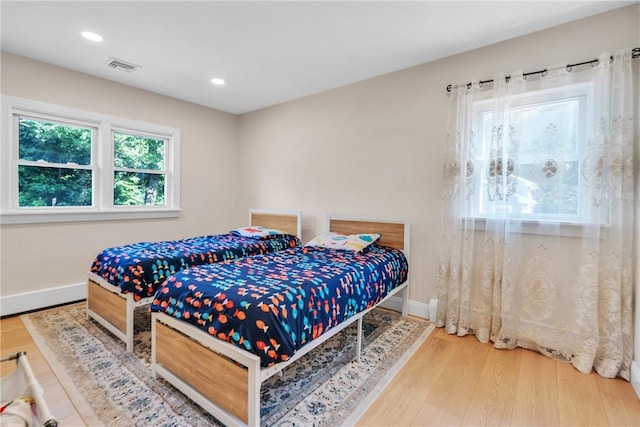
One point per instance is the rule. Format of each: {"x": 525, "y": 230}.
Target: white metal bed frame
{"x": 107, "y": 305}
{"x": 255, "y": 375}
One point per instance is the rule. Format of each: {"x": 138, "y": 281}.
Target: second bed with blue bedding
{"x": 141, "y": 267}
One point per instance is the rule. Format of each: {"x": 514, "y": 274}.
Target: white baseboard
{"x": 635, "y": 377}
{"x": 417, "y": 309}
{"x": 34, "y": 300}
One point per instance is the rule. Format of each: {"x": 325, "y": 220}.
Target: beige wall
{"x": 376, "y": 147}
{"x": 42, "y": 256}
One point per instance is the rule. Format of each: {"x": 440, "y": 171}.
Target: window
{"x": 66, "y": 165}
{"x": 139, "y": 174}
{"x": 531, "y": 170}
{"x": 54, "y": 163}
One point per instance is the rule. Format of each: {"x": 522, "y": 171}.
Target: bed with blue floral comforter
{"x": 141, "y": 267}
{"x": 272, "y": 305}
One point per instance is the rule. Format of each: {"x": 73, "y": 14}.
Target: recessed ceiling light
{"x": 92, "y": 36}
{"x": 217, "y": 82}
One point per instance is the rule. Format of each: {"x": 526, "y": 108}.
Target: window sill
{"x": 70, "y": 216}
{"x": 549, "y": 228}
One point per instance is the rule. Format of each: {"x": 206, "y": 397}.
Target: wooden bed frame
{"x": 217, "y": 382}
{"x": 107, "y": 305}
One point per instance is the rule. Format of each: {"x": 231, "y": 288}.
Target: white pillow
{"x": 257, "y": 232}
{"x": 351, "y": 242}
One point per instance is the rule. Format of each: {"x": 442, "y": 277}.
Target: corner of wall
{"x": 416, "y": 308}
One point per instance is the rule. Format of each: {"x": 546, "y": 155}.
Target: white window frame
{"x": 102, "y": 166}
{"x": 580, "y": 90}
{"x": 115, "y": 130}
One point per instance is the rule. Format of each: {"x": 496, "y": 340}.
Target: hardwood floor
{"x": 453, "y": 381}
{"x": 450, "y": 381}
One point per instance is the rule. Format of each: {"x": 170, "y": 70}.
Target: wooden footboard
{"x": 112, "y": 309}
{"x": 186, "y": 358}
{"x": 220, "y": 377}
{"x": 110, "y": 306}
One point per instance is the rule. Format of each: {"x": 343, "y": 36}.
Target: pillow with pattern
{"x": 351, "y": 242}
{"x": 257, "y": 232}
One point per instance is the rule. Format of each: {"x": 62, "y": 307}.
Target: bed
{"x": 124, "y": 278}
{"x": 222, "y": 369}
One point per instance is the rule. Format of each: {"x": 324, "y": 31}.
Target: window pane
{"x": 548, "y": 126}
{"x": 538, "y": 195}
{"x": 138, "y": 189}
{"x": 54, "y": 142}
{"x": 138, "y": 152}
{"x": 41, "y": 186}
{"x": 553, "y": 193}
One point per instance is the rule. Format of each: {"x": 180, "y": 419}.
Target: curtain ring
{"x": 595, "y": 63}
{"x": 468, "y": 85}
{"x": 569, "y": 68}
{"x": 480, "y": 84}
{"x": 544, "y": 73}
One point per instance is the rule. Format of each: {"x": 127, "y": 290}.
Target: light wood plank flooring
{"x": 450, "y": 381}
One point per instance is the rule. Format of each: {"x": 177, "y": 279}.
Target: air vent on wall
{"x": 118, "y": 64}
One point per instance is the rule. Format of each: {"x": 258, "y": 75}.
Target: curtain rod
{"x": 635, "y": 53}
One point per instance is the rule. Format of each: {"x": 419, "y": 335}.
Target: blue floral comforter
{"x": 273, "y": 305}
{"x": 141, "y": 267}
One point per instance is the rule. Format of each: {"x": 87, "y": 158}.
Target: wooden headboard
{"x": 287, "y": 221}
{"x": 395, "y": 232}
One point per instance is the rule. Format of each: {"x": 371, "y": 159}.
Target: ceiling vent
{"x": 118, "y": 64}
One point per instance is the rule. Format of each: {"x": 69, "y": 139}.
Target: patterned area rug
{"x": 111, "y": 387}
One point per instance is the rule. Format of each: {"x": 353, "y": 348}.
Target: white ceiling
{"x": 267, "y": 52}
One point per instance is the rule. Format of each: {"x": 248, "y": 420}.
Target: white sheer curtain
{"x": 538, "y": 214}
